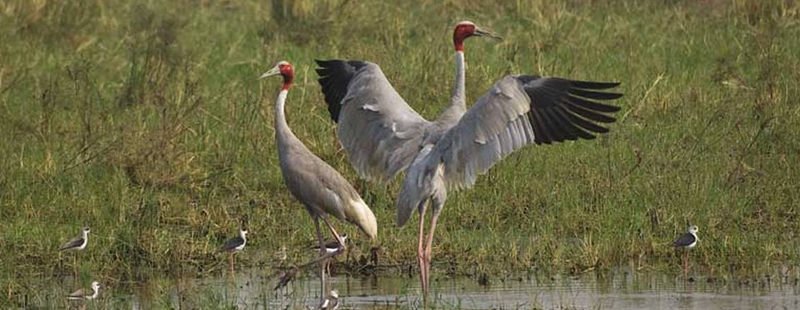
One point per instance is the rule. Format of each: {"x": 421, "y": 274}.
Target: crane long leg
{"x": 338, "y": 240}
{"x": 333, "y": 231}
{"x": 322, "y": 262}
{"x": 429, "y": 245}
{"x": 421, "y": 251}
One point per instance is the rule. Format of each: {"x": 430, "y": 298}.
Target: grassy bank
{"x": 146, "y": 122}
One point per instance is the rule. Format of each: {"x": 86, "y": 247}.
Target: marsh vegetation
{"x": 145, "y": 121}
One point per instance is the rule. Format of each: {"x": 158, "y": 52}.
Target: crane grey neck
{"x": 458, "y": 105}
{"x": 283, "y": 134}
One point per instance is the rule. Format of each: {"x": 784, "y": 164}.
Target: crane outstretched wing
{"x": 517, "y": 111}
{"x": 380, "y": 132}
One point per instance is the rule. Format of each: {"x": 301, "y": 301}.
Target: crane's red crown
{"x": 287, "y": 71}
{"x": 463, "y": 31}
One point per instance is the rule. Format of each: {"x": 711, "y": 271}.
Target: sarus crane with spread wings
{"x": 383, "y": 135}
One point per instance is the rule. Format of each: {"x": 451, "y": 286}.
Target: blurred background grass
{"x": 145, "y": 121}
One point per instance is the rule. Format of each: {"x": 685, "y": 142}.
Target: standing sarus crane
{"x": 319, "y": 187}
{"x": 384, "y": 136}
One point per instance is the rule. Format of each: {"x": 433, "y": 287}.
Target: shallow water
{"x": 252, "y": 289}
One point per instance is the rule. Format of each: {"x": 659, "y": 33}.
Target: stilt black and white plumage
{"x": 235, "y": 244}
{"x": 78, "y": 243}
{"x": 86, "y": 294}
{"x": 333, "y": 245}
{"x": 331, "y": 302}
{"x": 688, "y": 239}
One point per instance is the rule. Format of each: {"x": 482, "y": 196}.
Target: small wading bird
{"x": 330, "y": 248}
{"x": 332, "y": 302}
{"x": 280, "y": 256}
{"x": 234, "y": 245}
{"x": 319, "y": 187}
{"x": 86, "y": 294}
{"x": 77, "y": 244}
{"x": 333, "y": 245}
{"x": 383, "y": 135}
{"x": 686, "y": 241}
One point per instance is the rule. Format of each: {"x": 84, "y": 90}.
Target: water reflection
{"x": 253, "y": 289}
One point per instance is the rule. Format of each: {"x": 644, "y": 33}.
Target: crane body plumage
{"x": 321, "y": 189}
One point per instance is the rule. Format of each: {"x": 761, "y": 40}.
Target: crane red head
{"x": 285, "y": 69}
{"x": 468, "y": 29}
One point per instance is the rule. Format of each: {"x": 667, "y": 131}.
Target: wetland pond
{"x": 253, "y": 289}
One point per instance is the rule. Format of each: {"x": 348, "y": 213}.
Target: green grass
{"x": 145, "y": 121}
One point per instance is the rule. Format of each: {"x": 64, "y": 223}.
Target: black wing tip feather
{"x": 594, "y": 94}
{"x": 339, "y": 64}
{"x": 571, "y": 111}
{"x": 594, "y": 85}
{"x": 334, "y": 77}
{"x": 327, "y": 62}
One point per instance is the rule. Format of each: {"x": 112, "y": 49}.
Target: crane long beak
{"x": 274, "y": 71}
{"x": 483, "y": 33}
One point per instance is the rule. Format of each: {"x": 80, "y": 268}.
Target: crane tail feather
{"x": 361, "y": 215}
